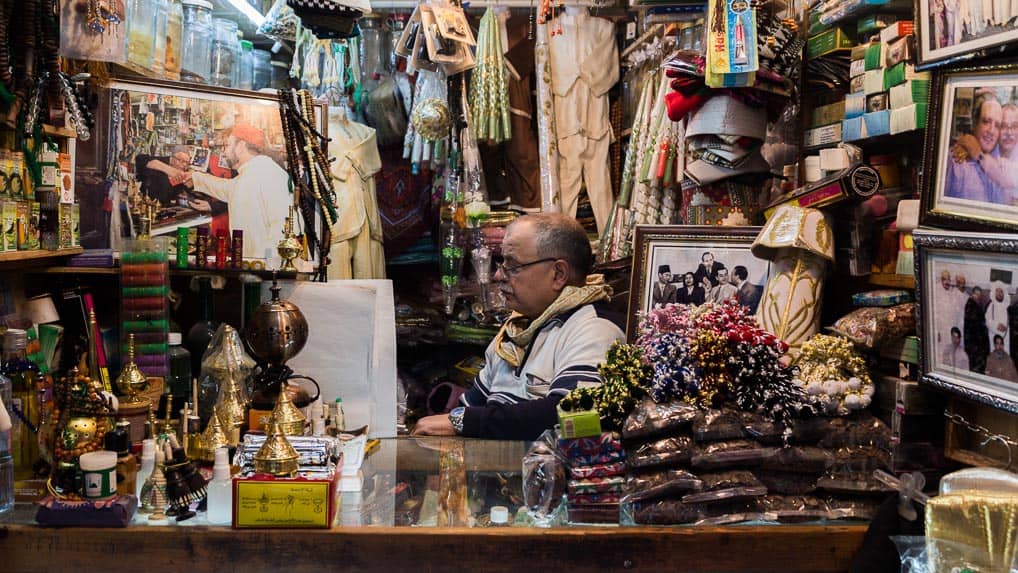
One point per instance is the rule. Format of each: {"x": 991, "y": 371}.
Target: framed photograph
{"x": 970, "y": 173}
{"x": 968, "y": 320}
{"x": 947, "y": 29}
{"x": 693, "y": 264}
{"x": 194, "y": 155}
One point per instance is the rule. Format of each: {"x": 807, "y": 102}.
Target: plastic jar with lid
{"x": 245, "y": 66}
{"x": 174, "y": 32}
{"x": 196, "y": 41}
{"x": 262, "y": 74}
{"x": 280, "y": 75}
{"x": 160, "y": 11}
{"x": 225, "y": 52}
{"x": 141, "y": 34}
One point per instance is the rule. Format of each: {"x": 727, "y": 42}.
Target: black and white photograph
{"x": 950, "y": 28}
{"x": 970, "y": 313}
{"x": 972, "y": 150}
{"x": 694, "y": 265}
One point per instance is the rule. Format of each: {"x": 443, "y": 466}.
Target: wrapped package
{"x": 652, "y": 419}
{"x": 665, "y": 483}
{"x": 872, "y": 326}
{"x": 672, "y": 451}
{"x": 730, "y": 454}
{"x": 717, "y": 425}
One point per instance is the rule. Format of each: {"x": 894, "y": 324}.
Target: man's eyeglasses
{"x": 512, "y": 271}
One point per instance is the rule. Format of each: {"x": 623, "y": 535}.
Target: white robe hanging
{"x": 356, "y": 251}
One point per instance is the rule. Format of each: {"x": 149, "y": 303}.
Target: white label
{"x": 631, "y": 30}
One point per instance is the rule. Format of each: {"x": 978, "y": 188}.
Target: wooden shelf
{"x": 892, "y": 281}
{"x": 37, "y": 254}
{"x": 113, "y": 271}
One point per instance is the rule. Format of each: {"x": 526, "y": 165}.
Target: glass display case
{"x": 425, "y": 503}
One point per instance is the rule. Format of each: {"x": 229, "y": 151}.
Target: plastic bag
{"x": 280, "y": 23}
{"x": 795, "y": 508}
{"x": 544, "y": 480}
{"x": 652, "y": 419}
{"x": 799, "y": 459}
{"x": 759, "y": 428}
{"x": 787, "y": 483}
{"x": 727, "y": 486}
{"x": 717, "y": 425}
{"x": 598, "y": 471}
{"x": 664, "y": 452}
{"x": 660, "y": 484}
{"x": 730, "y": 453}
{"x": 873, "y": 326}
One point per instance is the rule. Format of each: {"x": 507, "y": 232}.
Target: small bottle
{"x": 119, "y": 441}
{"x": 498, "y": 516}
{"x": 222, "y": 248}
{"x": 220, "y": 490}
{"x": 178, "y": 382}
{"x": 338, "y": 418}
{"x": 148, "y": 463}
{"x": 24, "y": 398}
{"x": 6, "y": 460}
{"x": 317, "y": 418}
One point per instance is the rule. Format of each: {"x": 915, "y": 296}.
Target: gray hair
{"x": 562, "y": 237}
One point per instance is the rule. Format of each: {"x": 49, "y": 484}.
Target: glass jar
{"x": 225, "y": 52}
{"x": 160, "y": 12}
{"x": 375, "y": 47}
{"x": 397, "y": 22}
{"x": 245, "y": 67}
{"x": 280, "y": 75}
{"x": 174, "y": 31}
{"x": 196, "y": 43}
{"x": 141, "y": 40}
{"x": 262, "y": 75}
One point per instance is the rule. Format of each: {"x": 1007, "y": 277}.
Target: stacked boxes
{"x": 887, "y": 94}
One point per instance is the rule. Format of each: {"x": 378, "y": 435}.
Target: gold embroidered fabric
{"x": 975, "y": 530}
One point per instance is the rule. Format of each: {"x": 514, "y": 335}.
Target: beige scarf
{"x": 512, "y": 340}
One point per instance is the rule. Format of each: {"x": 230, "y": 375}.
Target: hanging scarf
{"x": 512, "y": 340}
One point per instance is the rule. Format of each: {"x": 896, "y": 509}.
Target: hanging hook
{"x": 1004, "y": 442}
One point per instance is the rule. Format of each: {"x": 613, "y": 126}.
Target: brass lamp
{"x": 276, "y": 456}
{"x": 289, "y": 419}
{"x": 289, "y": 248}
{"x": 131, "y": 380}
{"x": 213, "y": 438}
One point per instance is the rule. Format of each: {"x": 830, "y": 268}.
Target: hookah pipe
{"x": 277, "y": 375}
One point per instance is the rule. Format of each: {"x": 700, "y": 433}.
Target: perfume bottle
{"x": 741, "y": 57}
{"x": 220, "y": 490}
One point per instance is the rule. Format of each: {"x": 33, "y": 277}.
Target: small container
{"x": 245, "y": 67}
{"x": 222, "y": 248}
{"x": 148, "y": 463}
{"x": 119, "y": 441}
{"x": 225, "y": 52}
{"x": 201, "y": 248}
{"x": 174, "y": 35}
{"x": 237, "y": 249}
{"x": 161, "y": 13}
{"x": 262, "y": 73}
{"x": 280, "y": 75}
{"x": 99, "y": 475}
{"x": 182, "y": 246}
{"x": 220, "y": 490}
{"x": 498, "y": 516}
{"x": 141, "y": 33}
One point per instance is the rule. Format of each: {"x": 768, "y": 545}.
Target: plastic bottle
{"x": 317, "y": 418}
{"x": 498, "y": 516}
{"x": 220, "y": 490}
{"x": 148, "y": 463}
{"x": 6, "y": 460}
{"x": 338, "y": 418}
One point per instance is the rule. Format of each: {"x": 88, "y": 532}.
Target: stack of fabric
{"x": 596, "y": 467}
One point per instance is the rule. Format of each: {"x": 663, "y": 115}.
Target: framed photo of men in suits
{"x": 693, "y": 264}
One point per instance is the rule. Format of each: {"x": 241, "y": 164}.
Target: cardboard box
{"x": 857, "y": 83}
{"x": 579, "y": 424}
{"x": 904, "y": 396}
{"x": 876, "y": 102}
{"x": 856, "y": 68}
{"x": 901, "y": 73}
{"x": 828, "y": 41}
{"x": 897, "y": 30}
{"x": 823, "y": 135}
{"x": 873, "y": 81}
{"x": 827, "y": 114}
{"x": 859, "y": 52}
{"x": 75, "y": 225}
{"x": 874, "y": 23}
{"x": 66, "y": 164}
{"x": 854, "y": 129}
{"x": 900, "y": 50}
{"x": 860, "y": 182}
{"x": 9, "y": 230}
{"x": 24, "y": 211}
{"x": 909, "y": 118}
{"x": 34, "y": 214}
{"x": 910, "y": 92}
{"x": 265, "y": 501}
{"x": 65, "y": 226}
{"x": 877, "y": 123}
{"x": 874, "y": 56}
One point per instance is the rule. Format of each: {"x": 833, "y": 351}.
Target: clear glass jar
{"x": 262, "y": 75}
{"x": 174, "y": 32}
{"x": 141, "y": 34}
{"x": 160, "y": 13}
{"x": 280, "y": 75}
{"x": 375, "y": 47}
{"x": 196, "y": 43}
{"x": 245, "y": 66}
{"x": 225, "y": 52}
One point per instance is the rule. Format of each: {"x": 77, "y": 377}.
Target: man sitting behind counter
{"x": 553, "y": 341}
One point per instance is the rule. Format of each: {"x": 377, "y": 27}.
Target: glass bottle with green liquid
{"x": 25, "y": 402}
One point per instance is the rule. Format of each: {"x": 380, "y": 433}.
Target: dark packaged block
{"x": 787, "y": 483}
{"x": 603, "y": 513}
{"x": 727, "y": 486}
{"x": 799, "y": 459}
{"x": 730, "y": 454}
{"x": 652, "y": 419}
{"x": 795, "y": 508}
{"x": 660, "y": 484}
{"x": 715, "y": 425}
{"x": 677, "y": 450}
{"x": 675, "y": 512}
{"x": 759, "y": 428}
{"x": 863, "y": 429}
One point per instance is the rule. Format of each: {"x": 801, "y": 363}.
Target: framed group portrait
{"x": 970, "y": 160}
{"x": 951, "y": 29}
{"x": 693, "y": 264}
{"x": 967, "y": 284}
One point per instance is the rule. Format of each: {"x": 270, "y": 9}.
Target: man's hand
{"x": 434, "y": 426}
{"x": 199, "y": 205}
{"x": 967, "y": 147}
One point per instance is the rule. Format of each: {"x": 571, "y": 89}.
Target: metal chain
{"x": 989, "y": 436}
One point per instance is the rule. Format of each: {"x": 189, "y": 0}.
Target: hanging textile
{"x": 551, "y": 200}
{"x": 489, "y": 91}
